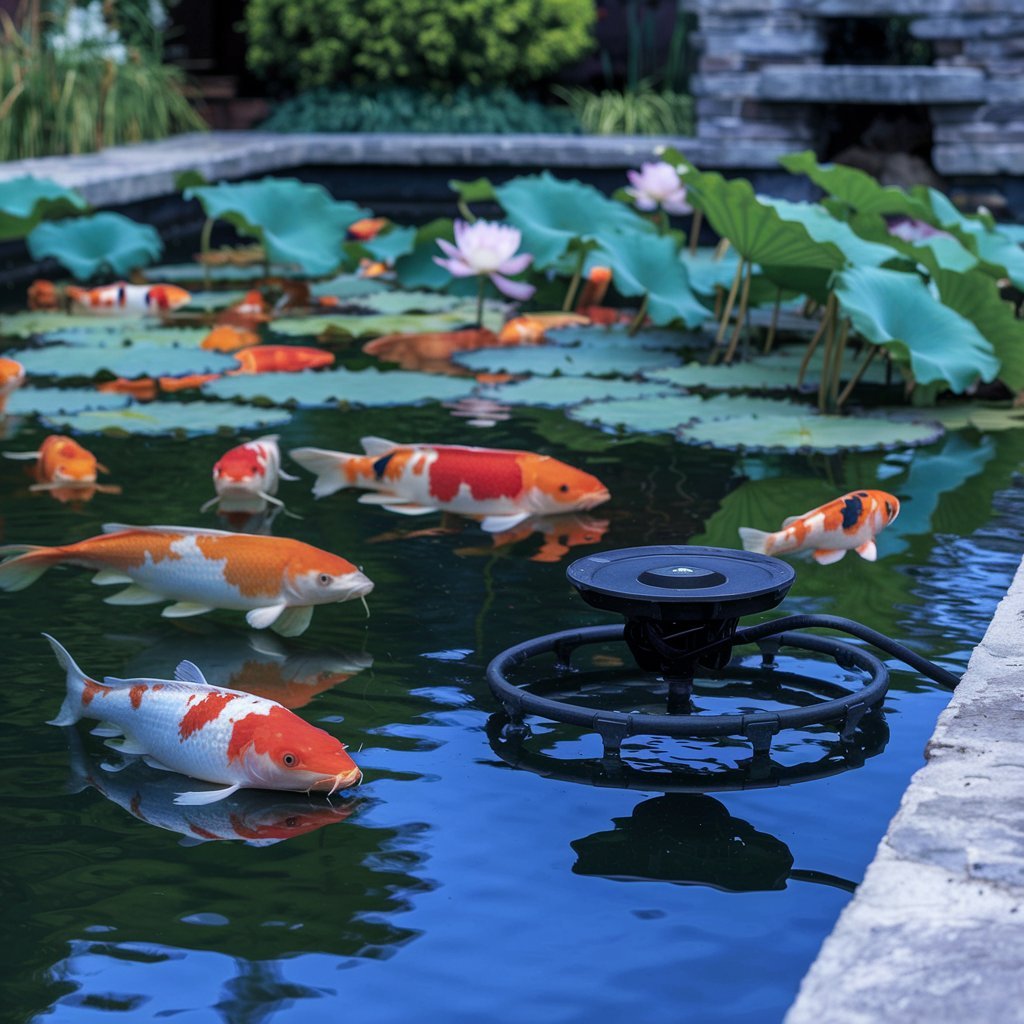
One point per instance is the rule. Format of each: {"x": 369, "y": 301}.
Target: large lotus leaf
{"x": 391, "y": 245}
{"x": 348, "y": 287}
{"x": 665, "y": 415}
{"x": 559, "y": 392}
{"x": 171, "y": 418}
{"x": 138, "y": 360}
{"x": 788, "y": 433}
{"x": 399, "y": 323}
{"x": 49, "y": 401}
{"x": 899, "y": 312}
{"x": 648, "y": 265}
{"x": 332, "y": 387}
{"x": 195, "y": 273}
{"x": 418, "y": 269}
{"x": 981, "y": 416}
{"x": 940, "y": 251}
{"x": 23, "y": 325}
{"x": 706, "y": 273}
{"x": 108, "y": 242}
{"x": 390, "y": 302}
{"x": 296, "y": 222}
{"x": 856, "y": 188}
{"x": 596, "y": 357}
{"x": 666, "y": 339}
{"x": 554, "y": 214}
{"x": 996, "y": 249}
{"x": 26, "y": 201}
{"x": 124, "y": 335}
{"x": 479, "y": 190}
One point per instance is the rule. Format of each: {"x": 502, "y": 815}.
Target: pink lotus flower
{"x": 657, "y": 185}
{"x": 914, "y": 231}
{"x": 486, "y": 249}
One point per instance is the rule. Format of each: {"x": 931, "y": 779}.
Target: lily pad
{"x": 171, "y": 418}
{"x": 26, "y": 201}
{"x": 194, "y": 273}
{"x": 24, "y": 325}
{"x": 139, "y": 360}
{"x": 982, "y": 416}
{"x": 559, "y": 392}
{"x": 391, "y": 244}
{"x": 207, "y": 301}
{"x": 124, "y": 335}
{"x": 296, "y": 222}
{"x": 347, "y": 286}
{"x": 392, "y": 302}
{"x": 108, "y": 242}
{"x": 373, "y": 326}
{"x": 707, "y": 273}
{"x": 788, "y": 433}
{"x": 597, "y": 357}
{"x": 371, "y": 387}
{"x": 50, "y": 401}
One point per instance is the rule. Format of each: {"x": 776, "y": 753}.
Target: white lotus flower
{"x": 486, "y": 249}
{"x": 657, "y": 185}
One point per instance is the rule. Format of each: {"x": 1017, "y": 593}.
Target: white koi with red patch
{"x": 247, "y": 476}
{"x": 217, "y": 735}
{"x": 130, "y": 299}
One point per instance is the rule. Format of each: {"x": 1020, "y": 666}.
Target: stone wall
{"x": 762, "y": 79}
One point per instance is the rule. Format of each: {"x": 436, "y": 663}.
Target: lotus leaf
{"x": 208, "y": 301}
{"x": 332, "y": 387}
{"x": 418, "y": 269}
{"x": 899, "y": 312}
{"x": 648, "y": 265}
{"x": 26, "y": 201}
{"x": 666, "y": 339}
{"x": 139, "y": 360}
{"x": 49, "y": 401}
{"x": 409, "y": 301}
{"x": 605, "y": 357}
{"x": 348, "y": 286}
{"x": 480, "y": 190}
{"x": 108, "y": 242}
{"x": 195, "y": 273}
{"x": 559, "y": 392}
{"x": 982, "y": 416}
{"x": 939, "y": 251}
{"x": 399, "y": 323}
{"x": 171, "y": 418}
{"x": 295, "y": 222}
{"x": 391, "y": 244}
{"x": 554, "y": 215}
{"x": 707, "y": 273}
{"x": 788, "y": 433}
{"x": 124, "y": 335}
{"x": 24, "y": 325}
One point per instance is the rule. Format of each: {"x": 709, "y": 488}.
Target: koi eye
{"x": 291, "y": 822}
{"x": 289, "y": 760}
{"x": 889, "y": 510}
{"x": 564, "y": 488}
{"x": 324, "y": 580}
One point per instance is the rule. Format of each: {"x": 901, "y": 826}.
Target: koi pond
{"x": 468, "y": 877}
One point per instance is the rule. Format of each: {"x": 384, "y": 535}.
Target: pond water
{"x": 451, "y": 886}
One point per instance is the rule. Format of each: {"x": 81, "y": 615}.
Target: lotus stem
{"x": 773, "y": 326}
{"x": 721, "y": 249}
{"x": 638, "y": 320}
{"x": 466, "y": 213}
{"x": 837, "y": 363}
{"x": 855, "y": 379}
{"x": 741, "y": 315}
{"x": 662, "y": 221}
{"x": 574, "y": 284}
{"x": 695, "y": 226}
{"x": 729, "y": 303}
{"x": 826, "y": 358}
{"x": 813, "y": 344}
{"x": 719, "y": 296}
{"x": 809, "y": 307}
{"x": 204, "y": 249}
{"x": 480, "y": 301}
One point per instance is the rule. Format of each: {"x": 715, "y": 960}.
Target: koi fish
{"x": 368, "y": 228}
{"x": 431, "y": 351}
{"x": 43, "y": 294}
{"x": 246, "y": 477}
{"x": 226, "y": 338}
{"x": 254, "y": 817}
{"x": 62, "y": 462}
{"x": 249, "y": 311}
{"x": 12, "y": 376}
{"x": 215, "y": 735}
{"x": 594, "y": 289}
{"x": 281, "y": 359}
{"x": 144, "y": 389}
{"x": 275, "y": 580}
{"x": 504, "y": 487}
{"x": 530, "y": 330}
{"x": 371, "y": 268}
{"x": 852, "y": 521}
{"x": 129, "y": 298}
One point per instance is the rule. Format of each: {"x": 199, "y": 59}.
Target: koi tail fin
{"x": 755, "y": 540}
{"x": 70, "y": 710}
{"x": 328, "y": 466}
{"x": 29, "y": 563}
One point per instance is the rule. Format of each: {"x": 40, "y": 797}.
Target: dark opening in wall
{"x": 874, "y": 41}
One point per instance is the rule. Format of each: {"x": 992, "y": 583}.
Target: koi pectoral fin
{"x": 826, "y": 556}
{"x": 261, "y": 618}
{"x": 108, "y": 577}
{"x": 198, "y": 797}
{"x": 293, "y": 621}
{"x": 868, "y": 551}
{"x": 134, "y": 595}
{"x": 183, "y": 609}
{"x": 127, "y": 746}
{"x": 498, "y": 524}
{"x": 410, "y": 510}
{"x": 379, "y": 498}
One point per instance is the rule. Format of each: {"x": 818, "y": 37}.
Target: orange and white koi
{"x": 62, "y": 462}
{"x": 281, "y": 359}
{"x": 502, "y": 486}
{"x": 531, "y": 329}
{"x": 246, "y": 477}
{"x": 850, "y": 522}
{"x": 277, "y": 581}
{"x": 216, "y": 735}
{"x": 12, "y": 376}
{"x": 43, "y": 294}
{"x": 131, "y": 299}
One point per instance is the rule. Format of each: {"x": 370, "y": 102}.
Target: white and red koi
{"x": 502, "y": 486}
{"x": 131, "y": 299}
{"x": 277, "y": 581}
{"x": 850, "y": 522}
{"x": 246, "y": 477}
{"x": 12, "y": 376}
{"x": 217, "y": 735}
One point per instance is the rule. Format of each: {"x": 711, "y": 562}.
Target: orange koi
{"x": 143, "y": 388}
{"x": 225, "y": 338}
{"x": 249, "y": 311}
{"x": 371, "y": 268}
{"x": 189, "y": 380}
{"x": 431, "y": 351}
{"x": 66, "y": 470}
{"x": 530, "y": 329}
{"x": 235, "y": 739}
{"x": 43, "y": 295}
{"x": 368, "y": 228}
{"x": 132, "y": 299}
{"x": 502, "y": 486}
{"x": 594, "y": 289}
{"x": 852, "y": 521}
{"x": 275, "y": 580}
{"x": 12, "y": 376}
{"x": 281, "y": 359}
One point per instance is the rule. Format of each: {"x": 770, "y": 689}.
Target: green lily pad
{"x": 26, "y": 201}
{"x": 195, "y": 273}
{"x": 899, "y": 312}
{"x": 370, "y": 387}
{"x": 164, "y": 417}
{"x": 559, "y": 392}
{"x": 24, "y": 325}
{"x": 388, "y": 303}
{"x": 107, "y": 242}
{"x": 139, "y": 360}
{"x": 982, "y": 416}
{"x": 597, "y": 357}
{"x": 706, "y": 273}
{"x": 348, "y": 286}
{"x": 665, "y": 415}
{"x": 124, "y": 335}
{"x": 373, "y": 326}
{"x": 296, "y": 222}
{"x": 50, "y": 401}
{"x": 788, "y": 433}
{"x": 392, "y": 244}
{"x": 208, "y": 301}
{"x": 666, "y": 339}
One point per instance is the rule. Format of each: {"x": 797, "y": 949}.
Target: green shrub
{"x": 404, "y": 109}
{"x": 642, "y": 111}
{"x": 437, "y": 43}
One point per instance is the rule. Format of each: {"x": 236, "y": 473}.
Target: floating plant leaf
{"x": 665, "y": 339}
{"x": 24, "y": 325}
{"x": 347, "y": 286}
{"x": 391, "y": 302}
{"x": 207, "y": 301}
{"x": 195, "y": 273}
{"x": 559, "y": 392}
{"x": 788, "y": 433}
{"x": 296, "y": 222}
{"x": 50, "y": 401}
{"x": 593, "y": 358}
{"x": 165, "y": 417}
{"x": 899, "y": 312}
{"x": 107, "y": 242}
{"x": 982, "y": 416}
{"x": 138, "y": 360}
{"x": 706, "y": 273}
{"x": 373, "y": 326}
{"x": 392, "y": 244}
{"x": 418, "y": 269}
{"x": 331, "y": 387}
{"x": 124, "y": 335}
{"x": 26, "y": 201}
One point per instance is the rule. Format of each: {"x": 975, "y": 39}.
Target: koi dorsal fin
{"x": 788, "y": 520}
{"x": 187, "y": 672}
{"x": 377, "y": 445}
{"x": 120, "y": 527}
